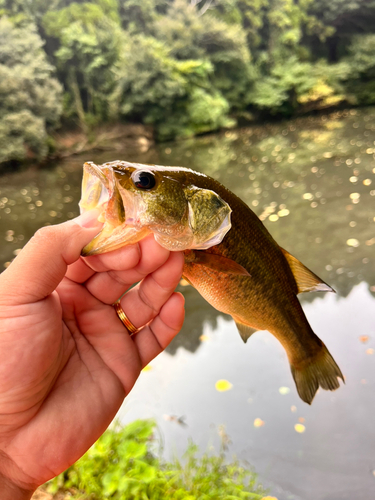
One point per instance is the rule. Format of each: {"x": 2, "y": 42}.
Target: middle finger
{"x": 110, "y": 285}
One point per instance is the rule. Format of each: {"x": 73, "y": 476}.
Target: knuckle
{"x": 148, "y": 302}
{"x": 46, "y": 233}
{"x": 116, "y": 276}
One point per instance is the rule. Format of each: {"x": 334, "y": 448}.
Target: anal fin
{"x": 306, "y": 280}
{"x": 245, "y": 331}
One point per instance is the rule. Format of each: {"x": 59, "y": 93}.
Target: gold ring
{"x": 124, "y": 319}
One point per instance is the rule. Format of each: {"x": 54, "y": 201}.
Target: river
{"x": 312, "y": 182}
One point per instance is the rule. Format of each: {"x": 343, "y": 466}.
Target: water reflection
{"x": 332, "y": 458}
{"x": 312, "y": 181}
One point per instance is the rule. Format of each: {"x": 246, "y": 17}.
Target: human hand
{"x": 66, "y": 360}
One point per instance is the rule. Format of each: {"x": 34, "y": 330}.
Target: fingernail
{"x": 88, "y": 219}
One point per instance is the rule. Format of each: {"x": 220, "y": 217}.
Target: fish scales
{"x": 267, "y": 299}
{"x": 230, "y": 257}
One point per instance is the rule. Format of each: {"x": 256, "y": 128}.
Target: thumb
{"x": 42, "y": 263}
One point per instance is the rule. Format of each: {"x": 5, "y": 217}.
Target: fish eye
{"x": 143, "y": 179}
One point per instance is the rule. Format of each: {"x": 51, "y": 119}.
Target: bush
{"x": 300, "y": 86}
{"x": 122, "y": 465}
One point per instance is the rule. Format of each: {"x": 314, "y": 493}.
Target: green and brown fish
{"x": 230, "y": 257}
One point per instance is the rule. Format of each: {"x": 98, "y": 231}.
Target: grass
{"x": 124, "y": 465}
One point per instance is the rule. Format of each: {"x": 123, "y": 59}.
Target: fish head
{"x": 135, "y": 200}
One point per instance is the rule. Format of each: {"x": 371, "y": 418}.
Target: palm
{"x": 75, "y": 372}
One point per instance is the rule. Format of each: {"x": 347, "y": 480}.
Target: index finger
{"x": 117, "y": 260}
{"x": 42, "y": 263}
{"x": 108, "y": 286}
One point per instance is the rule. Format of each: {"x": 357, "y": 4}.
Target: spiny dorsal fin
{"x": 306, "y": 280}
{"x": 245, "y": 331}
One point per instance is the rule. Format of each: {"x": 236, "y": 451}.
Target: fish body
{"x": 230, "y": 257}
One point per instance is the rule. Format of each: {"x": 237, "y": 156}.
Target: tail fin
{"x": 321, "y": 370}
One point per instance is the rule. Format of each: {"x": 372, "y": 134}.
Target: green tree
{"x": 192, "y": 35}
{"x": 88, "y": 47}
{"x": 30, "y": 97}
{"x": 361, "y": 77}
{"x": 175, "y": 96}
{"x": 139, "y": 17}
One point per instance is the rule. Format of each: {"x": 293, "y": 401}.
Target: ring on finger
{"x": 124, "y": 319}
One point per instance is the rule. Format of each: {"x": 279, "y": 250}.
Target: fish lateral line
{"x": 215, "y": 262}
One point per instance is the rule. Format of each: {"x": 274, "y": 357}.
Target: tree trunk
{"x": 73, "y": 83}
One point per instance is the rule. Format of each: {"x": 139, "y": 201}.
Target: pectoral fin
{"x": 245, "y": 331}
{"x": 215, "y": 262}
{"x": 306, "y": 280}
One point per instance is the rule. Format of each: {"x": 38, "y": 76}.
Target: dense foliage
{"x": 184, "y": 66}
{"x": 30, "y": 98}
{"x": 123, "y": 464}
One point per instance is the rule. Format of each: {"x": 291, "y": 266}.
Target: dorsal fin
{"x": 245, "y": 331}
{"x": 306, "y": 280}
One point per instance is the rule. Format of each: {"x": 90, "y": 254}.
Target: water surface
{"x": 312, "y": 182}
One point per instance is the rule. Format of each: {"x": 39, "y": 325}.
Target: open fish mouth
{"x": 95, "y": 190}
{"x": 100, "y": 191}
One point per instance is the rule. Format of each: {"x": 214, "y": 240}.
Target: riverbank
{"x": 111, "y": 137}
{"x": 132, "y": 137}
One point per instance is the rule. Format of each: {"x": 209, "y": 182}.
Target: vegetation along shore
{"x": 78, "y": 75}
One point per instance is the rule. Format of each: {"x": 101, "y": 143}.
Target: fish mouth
{"x": 95, "y": 190}
{"x": 101, "y": 191}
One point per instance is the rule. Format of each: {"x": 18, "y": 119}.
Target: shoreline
{"x": 136, "y": 137}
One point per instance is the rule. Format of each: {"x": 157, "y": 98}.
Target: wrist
{"x": 10, "y": 491}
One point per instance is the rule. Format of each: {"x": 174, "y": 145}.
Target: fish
{"x": 230, "y": 256}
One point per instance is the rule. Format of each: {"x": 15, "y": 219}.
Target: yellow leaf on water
{"x": 284, "y": 390}
{"x": 268, "y": 498}
{"x": 308, "y": 196}
{"x": 223, "y": 385}
{"x": 147, "y": 368}
{"x": 301, "y": 420}
{"x": 299, "y": 428}
{"x": 354, "y": 196}
{"x": 364, "y": 338}
{"x": 370, "y": 351}
{"x": 204, "y": 338}
{"x": 258, "y": 422}
{"x": 352, "y": 242}
{"x": 293, "y": 408}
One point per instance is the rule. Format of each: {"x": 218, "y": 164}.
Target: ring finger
{"x": 144, "y": 301}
